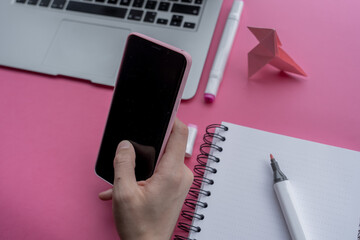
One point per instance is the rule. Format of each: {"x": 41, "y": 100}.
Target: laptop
{"x": 85, "y": 39}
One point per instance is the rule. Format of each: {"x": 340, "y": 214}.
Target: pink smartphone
{"x": 145, "y": 101}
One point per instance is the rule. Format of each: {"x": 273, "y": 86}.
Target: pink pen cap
{"x": 209, "y": 98}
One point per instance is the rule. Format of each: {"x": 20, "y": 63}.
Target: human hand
{"x": 150, "y": 209}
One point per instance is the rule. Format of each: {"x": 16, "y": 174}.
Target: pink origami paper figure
{"x": 268, "y": 51}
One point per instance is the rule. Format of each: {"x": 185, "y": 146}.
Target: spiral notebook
{"x": 233, "y": 197}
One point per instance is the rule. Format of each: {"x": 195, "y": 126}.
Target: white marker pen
{"x": 223, "y": 51}
{"x": 191, "y": 140}
{"x": 284, "y": 194}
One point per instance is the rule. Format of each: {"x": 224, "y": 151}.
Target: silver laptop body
{"x": 85, "y": 38}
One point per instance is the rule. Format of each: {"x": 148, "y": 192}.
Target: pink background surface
{"x": 51, "y": 127}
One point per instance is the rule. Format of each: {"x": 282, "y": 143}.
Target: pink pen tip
{"x": 271, "y": 156}
{"x": 209, "y": 98}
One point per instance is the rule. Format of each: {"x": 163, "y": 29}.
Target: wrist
{"x": 146, "y": 235}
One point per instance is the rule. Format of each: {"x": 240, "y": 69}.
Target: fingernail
{"x": 124, "y": 144}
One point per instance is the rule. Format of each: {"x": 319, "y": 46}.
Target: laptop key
{"x": 125, "y": 2}
{"x": 150, "y": 17}
{"x": 164, "y": 6}
{"x": 135, "y": 15}
{"x": 162, "y": 21}
{"x": 150, "y": 4}
{"x": 59, "y": 4}
{"x": 189, "y": 25}
{"x": 138, "y": 3}
{"x": 20, "y": 1}
{"x": 185, "y": 9}
{"x": 44, "y": 3}
{"x": 96, "y": 9}
{"x": 113, "y": 1}
{"x": 32, "y": 2}
{"x": 176, "y": 20}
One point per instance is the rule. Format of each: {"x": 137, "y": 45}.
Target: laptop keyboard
{"x": 184, "y": 14}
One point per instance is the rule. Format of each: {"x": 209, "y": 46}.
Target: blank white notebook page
{"x": 243, "y": 204}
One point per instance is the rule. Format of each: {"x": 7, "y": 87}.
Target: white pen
{"x": 223, "y": 51}
{"x": 288, "y": 206}
{"x": 191, "y": 140}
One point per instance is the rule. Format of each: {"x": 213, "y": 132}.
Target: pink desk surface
{"x": 51, "y": 127}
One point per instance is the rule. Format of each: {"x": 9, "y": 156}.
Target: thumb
{"x": 124, "y": 165}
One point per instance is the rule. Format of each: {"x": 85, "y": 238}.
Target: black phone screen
{"x": 143, "y": 101}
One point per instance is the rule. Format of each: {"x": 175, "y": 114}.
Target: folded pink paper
{"x": 268, "y": 51}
